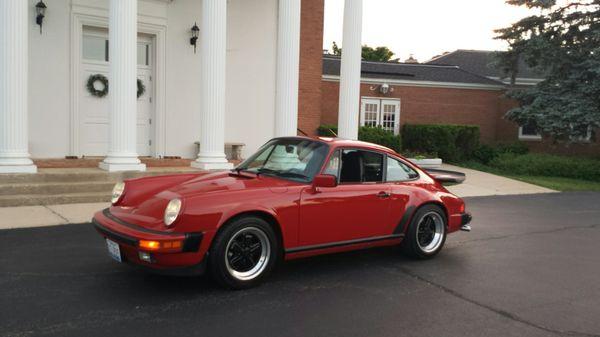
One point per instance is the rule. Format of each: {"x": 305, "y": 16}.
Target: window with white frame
{"x": 586, "y": 138}
{"x": 529, "y": 131}
{"x": 384, "y": 113}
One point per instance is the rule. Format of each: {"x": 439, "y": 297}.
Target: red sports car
{"x": 295, "y": 197}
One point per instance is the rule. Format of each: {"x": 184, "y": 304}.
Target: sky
{"x": 426, "y": 28}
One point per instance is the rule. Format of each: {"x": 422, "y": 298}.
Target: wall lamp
{"x": 194, "y": 38}
{"x": 383, "y": 88}
{"x": 40, "y": 10}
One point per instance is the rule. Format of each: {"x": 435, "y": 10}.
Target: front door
{"x": 357, "y": 208}
{"x": 381, "y": 112}
{"x": 94, "y": 111}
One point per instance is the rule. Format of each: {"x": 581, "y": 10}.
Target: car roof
{"x": 342, "y": 142}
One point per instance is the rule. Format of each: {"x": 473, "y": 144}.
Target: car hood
{"x": 209, "y": 190}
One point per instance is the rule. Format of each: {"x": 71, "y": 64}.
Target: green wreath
{"x": 141, "y": 88}
{"x": 92, "y": 89}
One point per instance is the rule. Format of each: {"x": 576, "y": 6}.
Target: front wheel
{"x": 243, "y": 253}
{"x": 427, "y": 233}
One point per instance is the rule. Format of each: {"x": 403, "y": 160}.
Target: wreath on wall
{"x": 141, "y": 88}
{"x": 99, "y": 78}
{"x": 91, "y": 85}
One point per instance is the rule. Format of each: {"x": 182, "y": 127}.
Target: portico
{"x": 235, "y": 96}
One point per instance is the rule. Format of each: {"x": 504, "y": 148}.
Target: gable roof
{"x": 481, "y": 62}
{"x": 411, "y": 72}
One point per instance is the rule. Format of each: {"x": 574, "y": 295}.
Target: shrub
{"x": 325, "y": 130}
{"x": 375, "y": 135}
{"x": 548, "y": 165}
{"x": 452, "y": 143}
{"x": 486, "y": 153}
{"x": 380, "y": 136}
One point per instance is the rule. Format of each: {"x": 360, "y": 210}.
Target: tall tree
{"x": 563, "y": 43}
{"x": 378, "y": 54}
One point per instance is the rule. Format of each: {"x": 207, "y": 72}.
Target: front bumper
{"x": 189, "y": 259}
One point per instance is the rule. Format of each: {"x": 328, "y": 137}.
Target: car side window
{"x": 398, "y": 171}
{"x": 333, "y": 166}
{"x": 361, "y": 166}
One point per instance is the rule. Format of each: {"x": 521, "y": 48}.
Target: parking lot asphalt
{"x": 531, "y": 267}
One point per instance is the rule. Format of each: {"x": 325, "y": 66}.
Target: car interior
{"x": 361, "y": 166}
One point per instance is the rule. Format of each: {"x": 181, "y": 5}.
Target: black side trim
{"x": 114, "y": 235}
{"x": 405, "y": 219}
{"x": 106, "y": 212}
{"x": 343, "y": 243}
{"x": 192, "y": 242}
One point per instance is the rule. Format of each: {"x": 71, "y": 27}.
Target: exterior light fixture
{"x": 384, "y": 88}
{"x": 194, "y": 38}
{"x": 40, "y": 10}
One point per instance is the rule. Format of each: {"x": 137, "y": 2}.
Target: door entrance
{"x": 94, "y": 111}
{"x": 381, "y": 112}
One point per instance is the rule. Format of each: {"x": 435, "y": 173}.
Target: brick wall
{"x": 485, "y": 108}
{"x": 311, "y": 63}
{"x": 421, "y": 105}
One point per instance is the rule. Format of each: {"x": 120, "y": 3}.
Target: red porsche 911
{"x": 295, "y": 197}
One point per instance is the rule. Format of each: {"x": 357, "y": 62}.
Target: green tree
{"x": 563, "y": 43}
{"x": 378, "y": 54}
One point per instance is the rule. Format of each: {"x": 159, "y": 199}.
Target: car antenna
{"x": 302, "y": 132}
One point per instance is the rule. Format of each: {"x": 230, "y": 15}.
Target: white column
{"x": 122, "y": 93}
{"x": 288, "y": 68}
{"x": 350, "y": 70}
{"x": 213, "y": 53}
{"x": 14, "y": 152}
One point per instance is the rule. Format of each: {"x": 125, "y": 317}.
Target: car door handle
{"x": 383, "y": 195}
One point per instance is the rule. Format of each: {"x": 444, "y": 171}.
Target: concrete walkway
{"x": 40, "y": 216}
{"x": 485, "y": 184}
{"x": 477, "y": 184}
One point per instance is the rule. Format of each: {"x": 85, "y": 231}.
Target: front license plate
{"x": 113, "y": 250}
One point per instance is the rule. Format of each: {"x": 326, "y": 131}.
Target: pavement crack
{"x": 57, "y": 214}
{"x": 503, "y": 313}
{"x": 508, "y": 236}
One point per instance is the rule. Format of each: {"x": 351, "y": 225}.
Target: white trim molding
{"x": 427, "y": 84}
{"x": 528, "y": 137}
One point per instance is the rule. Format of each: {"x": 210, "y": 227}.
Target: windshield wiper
{"x": 293, "y": 175}
{"x": 282, "y": 174}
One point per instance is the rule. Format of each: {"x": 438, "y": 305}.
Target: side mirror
{"x": 325, "y": 180}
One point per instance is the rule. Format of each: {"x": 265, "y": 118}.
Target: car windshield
{"x": 287, "y": 158}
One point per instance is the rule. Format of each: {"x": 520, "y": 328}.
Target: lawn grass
{"x": 560, "y": 184}
{"x": 554, "y": 183}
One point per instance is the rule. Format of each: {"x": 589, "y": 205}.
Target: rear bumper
{"x": 185, "y": 261}
{"x": 460, "y": 221}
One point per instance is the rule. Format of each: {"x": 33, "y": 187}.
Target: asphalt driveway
{"x": 531, "y": 267}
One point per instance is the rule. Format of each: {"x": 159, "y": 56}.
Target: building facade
{"x": 254, "y": 63}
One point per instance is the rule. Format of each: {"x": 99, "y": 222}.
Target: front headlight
{"x": 172, "y": 211}
{"x": 117, "y": 192}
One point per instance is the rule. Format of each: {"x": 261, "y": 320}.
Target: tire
{"x": 424, "y": 239}
{"x": 234, "y": 260}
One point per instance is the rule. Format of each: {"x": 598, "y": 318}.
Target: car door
{"x": 355, "y": 209}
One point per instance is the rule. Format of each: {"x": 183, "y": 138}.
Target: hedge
{"x": 452, "y": 143}
{"x": 486, "y": 153}
{"x": 547, "y": 165}
{"x": 375, "y": 135}
{"x": 380, "y": 136}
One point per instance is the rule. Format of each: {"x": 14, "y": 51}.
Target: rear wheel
{"x": 243, "y": 253}
{"x": 427, "y": 232}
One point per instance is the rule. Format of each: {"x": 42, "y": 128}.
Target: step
{"x": 38, "y": 199}
{"x": 83, "y": 175}
{"x": 55, "y": 188}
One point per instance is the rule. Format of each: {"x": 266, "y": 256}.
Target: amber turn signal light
{"x": 156, "y": 245}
